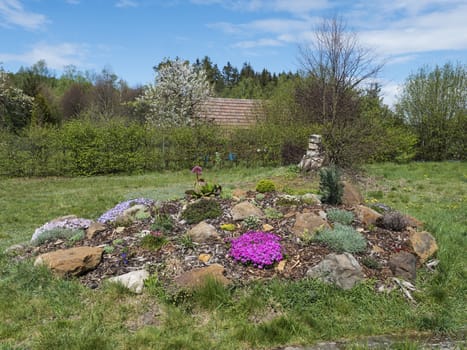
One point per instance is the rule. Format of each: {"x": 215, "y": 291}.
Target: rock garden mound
{"x": 184, "y": 240}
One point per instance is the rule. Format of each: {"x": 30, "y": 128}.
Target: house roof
{"x": 231, "y": 111}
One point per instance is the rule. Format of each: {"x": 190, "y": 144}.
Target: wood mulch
{"x": 176, "y": 256}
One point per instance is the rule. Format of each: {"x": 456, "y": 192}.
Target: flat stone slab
{"x": 196, "y": 277}
{"x": 71, "y": 262}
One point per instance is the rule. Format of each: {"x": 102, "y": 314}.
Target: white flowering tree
{"x": 15, "y": 105}
{"x": 177, "y": 96}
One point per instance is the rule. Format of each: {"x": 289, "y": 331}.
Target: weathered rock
{"x": 135, "y": 210}
{"x": 423, "y": 244}
{"x": 413, "y": 222}
{"x": 204, "y": 257}
{"x": 94, "y": 229}
{"x": 308, "y": 223}
{"x": 202, "y": 232}
{"x": 245, "y": 209}
{"x": 351, "y": 195}
{"x": 133, "y": 280}
{"x": 367, "y": 216}
{"x": 343, "y": 270}
{"x": 16, "y": 248}
{"x": 71, "y": 262}
{"x": 403, "y": 264}
{"x": 280, "y": 266}
{"x": 196, "y": 277}
{"x": 267, "y": 228}
{"x": 239, "y": 194}
{"x": 310, "y": 198}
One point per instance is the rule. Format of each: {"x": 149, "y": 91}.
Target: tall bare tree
{"x": 336, "y": 68}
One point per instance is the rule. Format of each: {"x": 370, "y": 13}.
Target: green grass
{"x": 39, "y": 311}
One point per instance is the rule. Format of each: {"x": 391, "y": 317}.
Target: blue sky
{"x": 131, "y": 36}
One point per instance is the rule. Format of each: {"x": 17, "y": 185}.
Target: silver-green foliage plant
{"x": 340, "y": 216}
{"x": 342, "y": 238}
{"x": 251, "y": 222}
{"x": 73, "y": 235}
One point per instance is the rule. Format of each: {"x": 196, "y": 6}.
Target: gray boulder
{"x": 343, "y": 270}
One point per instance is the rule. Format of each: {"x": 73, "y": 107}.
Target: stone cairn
{"x": 314, "y": 157}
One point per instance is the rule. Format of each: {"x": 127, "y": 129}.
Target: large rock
{"x": 423, "y": 244}
{"x": 308, "y": 223}
{"x": 94, "y": 229}
{"x": 71, "y": 262}
{"x": 133, "y": 280}
{"x": 403, "y": 264}
{"x": 245, "y": 209}
{"x": 202, "y": 232}
{"x": 196, "y": 277}
{"x": 343, "y": 270}
{"x": 367, "y": 216}
{"x": 352, "y": 195}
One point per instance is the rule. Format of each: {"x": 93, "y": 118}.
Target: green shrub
{"x": 371, "y": 263}
{"x": 202, "y": 210}
{"x": 153, "y": 240}
{"x": 59, "y": 233}
{"x": 163, "y": 223}
{"x": 330, "y": 185}
{"x": 272, "y": 213}
{"x": 265, "y": 185}
{"x": 342, "y": 239}
{"x": 343, "y": 217}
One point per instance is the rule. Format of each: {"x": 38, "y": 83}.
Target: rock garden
{"x": 248, "y": 235}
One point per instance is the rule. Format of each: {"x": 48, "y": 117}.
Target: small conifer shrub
{"x": 330, "y": 185}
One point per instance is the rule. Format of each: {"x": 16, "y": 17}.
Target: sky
{"x": 131, "y": 36}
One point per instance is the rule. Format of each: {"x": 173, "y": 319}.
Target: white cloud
{"x": 126, "y": 3}
{"x": 390, "y": 93}
{"x": 249, "y": 44}
{"x": 14, "y": 14}
{"x": 56, "y": 56}
{"x": 297, "y": 7}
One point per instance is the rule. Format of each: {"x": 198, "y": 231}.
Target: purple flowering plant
{"x": 112, "y": 214}
{"x": 258, "y": 248}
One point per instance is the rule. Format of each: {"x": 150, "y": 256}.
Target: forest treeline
{"x": 85, "y": 123}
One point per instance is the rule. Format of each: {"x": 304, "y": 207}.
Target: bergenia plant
{"x": 198, "y": 171}
{"x": 202, "y": 188}
{"x": 258, "y": 248}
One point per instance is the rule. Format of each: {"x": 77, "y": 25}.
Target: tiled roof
{"x": 232, "y": 111}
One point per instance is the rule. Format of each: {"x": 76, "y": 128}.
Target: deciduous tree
{"x": 178, "y": 94}
{"x": 434, "y": 103}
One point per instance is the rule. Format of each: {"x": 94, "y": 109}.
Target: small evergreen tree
{"x": 330, "y": 185}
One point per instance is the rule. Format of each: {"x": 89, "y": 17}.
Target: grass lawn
{"x": 39, "y": 311}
